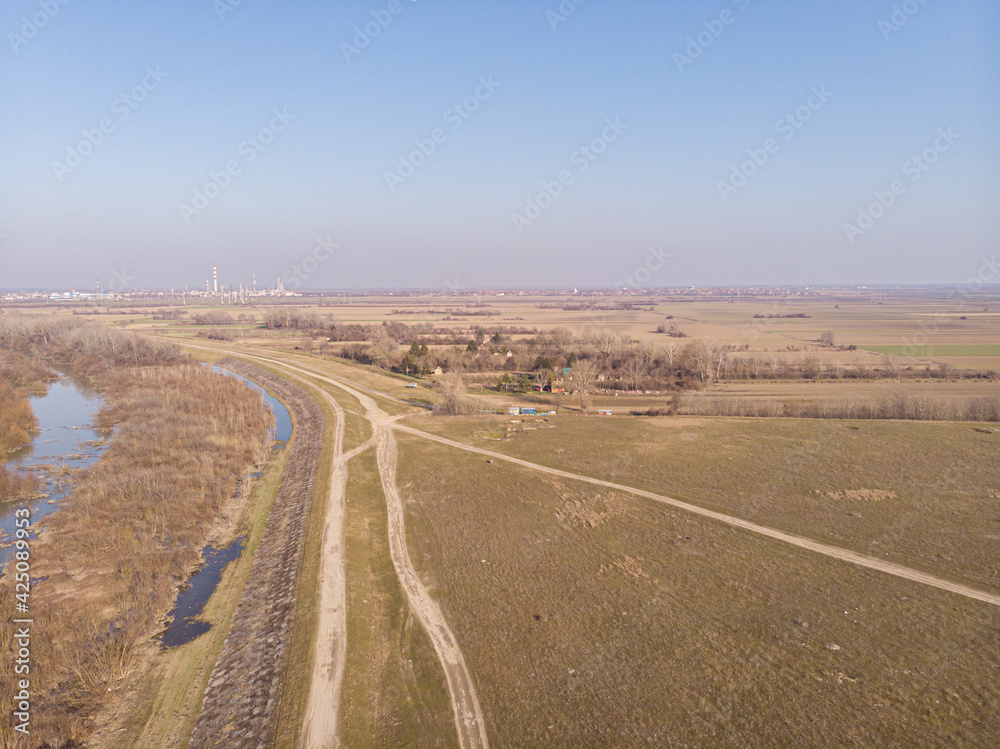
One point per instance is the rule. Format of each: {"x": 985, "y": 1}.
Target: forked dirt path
{"x": 465, "y": 703}
{"x": 319, "y": 729}
{"x": 802, "y": 542}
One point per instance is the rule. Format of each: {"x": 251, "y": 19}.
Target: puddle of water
{"x": 282, "y": 419}
{"x": 66, "y": 438}
{"x": 185, "y": 626}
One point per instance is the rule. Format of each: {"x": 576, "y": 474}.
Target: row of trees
{"x": 624, "y": 364}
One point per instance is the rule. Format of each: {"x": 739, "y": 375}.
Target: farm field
{"x": 593, "y": 618}
{"x": 922, "y": 326}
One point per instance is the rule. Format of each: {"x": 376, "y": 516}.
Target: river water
{"x": 282, "y": 419}
{"x": 66, "y": 440}
{"x": 185, "y": 625}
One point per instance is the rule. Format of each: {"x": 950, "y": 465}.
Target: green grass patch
{"x": 394, "y": 689}
{"x": 978, "y": 349}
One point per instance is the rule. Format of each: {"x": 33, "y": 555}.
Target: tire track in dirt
{"x": 836, "y": 552}
{"x": 468, "y": 714}
{"x": 469, "y": 721}
{"x": 322, "y": 718}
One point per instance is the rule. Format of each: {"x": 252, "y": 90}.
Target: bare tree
{"x": 827, "y": 338}
{"x": 562, "y": 338}
{"x": 721, "y": 362}
{"x": 453, "y": 394}
{"x": 584, "y": 375}
{"x": 670, "y": 349}
{"x": 891, "y": 365}
{"x": 608, "y": 342}
{"x": 382, "y": 344}
{"x": 634, "y": 369}
{"x": 704, "y": 355}
{"x": 647, "y": 352}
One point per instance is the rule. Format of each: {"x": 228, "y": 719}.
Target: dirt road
{"x": 319, "y": 728}
{"x": 802, "y": 542}
{"x": 320, "y": 724}
{"x": 465, "y": 703}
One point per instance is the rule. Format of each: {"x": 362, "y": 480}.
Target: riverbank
{"x": 245, "y": 695}
{"x": 20, "y": 378}
{"x": 107, "y": 566}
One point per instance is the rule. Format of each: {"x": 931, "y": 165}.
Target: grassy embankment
{"x": 295, "y": 692}
{"x": 594, "y": 618}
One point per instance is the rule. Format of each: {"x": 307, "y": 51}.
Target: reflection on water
{"x": 192, "y": 599}
{"x": 66, "y": 442}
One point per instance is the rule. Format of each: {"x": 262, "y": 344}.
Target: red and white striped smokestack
{"x": 215, "y": 281}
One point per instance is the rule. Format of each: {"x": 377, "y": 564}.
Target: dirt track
{"x": 317, "y": 727}
{"x": 802, "y": 542}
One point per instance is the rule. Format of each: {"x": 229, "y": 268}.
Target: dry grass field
{"x": 592, "y": 618}
{"x": 930, "y": 491}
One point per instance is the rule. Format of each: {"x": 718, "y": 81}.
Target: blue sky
{"x": 701, "y": 159}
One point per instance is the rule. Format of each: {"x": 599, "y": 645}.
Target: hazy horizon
{"x": 437, "y": 146}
